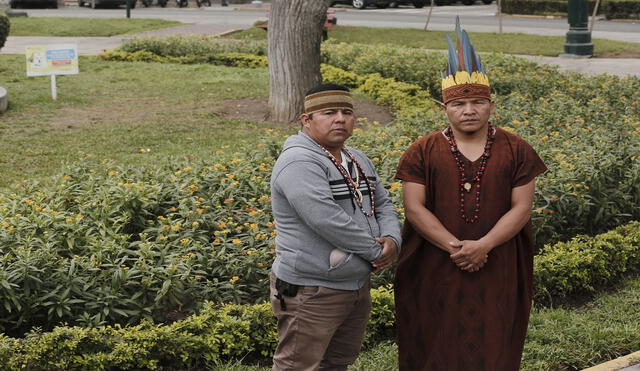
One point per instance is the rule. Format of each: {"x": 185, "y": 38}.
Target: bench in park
{"x": 329, "y": 22}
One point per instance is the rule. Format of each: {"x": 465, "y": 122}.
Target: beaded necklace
{"x": 353, "y": 186}
{"x": 465, "y": 182}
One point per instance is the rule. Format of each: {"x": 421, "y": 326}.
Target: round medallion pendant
{"x": 467, "y": 186}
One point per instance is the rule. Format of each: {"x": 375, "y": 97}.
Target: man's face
{"x": 468, "y": 115}
{"x": 329, "y": 128}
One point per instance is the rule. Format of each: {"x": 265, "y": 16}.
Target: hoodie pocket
{"x": 337, "y": 258}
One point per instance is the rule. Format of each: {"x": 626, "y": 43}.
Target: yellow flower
{"x": 195, "y": 224}
{"x": 198, "y": 277}
{"x": 234, "y": 279}
{"x": 185, "y": 241}
{"x": 112, "y": 173}
{"x": 176, "y": 227}
{"x": 254, "y": 227}
{"x": 236, "y": 241}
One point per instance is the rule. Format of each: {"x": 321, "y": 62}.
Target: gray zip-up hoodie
{"x": 315, "y": 214}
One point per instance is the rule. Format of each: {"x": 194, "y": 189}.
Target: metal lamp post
{"x": 578, "y": 42}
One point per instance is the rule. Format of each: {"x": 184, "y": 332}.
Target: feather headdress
{"x": 465, "y": 76}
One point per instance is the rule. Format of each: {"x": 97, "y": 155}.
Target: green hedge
{"x": 235, "y": 331}
{"x": 217, "y": 333}
{"x": 4, "y": 29}
{"x": 585, "y": 264}
{"x": 622, "y": 9}
{"x": 542, "y": 7}
{"x": 611, "y": 9}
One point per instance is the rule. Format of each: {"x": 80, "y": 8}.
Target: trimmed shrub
{"x": 217, "y": 333}
{"x": 4, "y": 28}
{"x": 182, "y": 46}
{"x": 611, "y": 9}
{"x": 622, "y": 9}
{"x": 542, "y": 7}
{"x": 585, "y": 264}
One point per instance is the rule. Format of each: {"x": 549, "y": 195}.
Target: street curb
{"x": 615, "y": 364}
{"x": 532, "y": 16}
{"x": 229, "y": 32}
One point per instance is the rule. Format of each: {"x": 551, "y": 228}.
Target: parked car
{"x": 33, "y": 3}
{"x": 416, "y": 3}
{"x": 112, "y": 3}
{"x": 361, "y": 4}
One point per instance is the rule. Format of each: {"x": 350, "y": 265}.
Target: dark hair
{"x": 325, "y": 87}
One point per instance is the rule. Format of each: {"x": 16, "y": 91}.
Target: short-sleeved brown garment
{"x": 449, "y": 319}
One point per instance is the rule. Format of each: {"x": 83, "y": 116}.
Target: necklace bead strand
{"x": 353, "y": 187}
{"x": 466, "y": 185}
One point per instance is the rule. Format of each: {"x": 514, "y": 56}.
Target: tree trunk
{"x": 295, "y": 34}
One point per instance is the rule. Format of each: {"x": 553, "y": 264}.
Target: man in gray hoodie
{"x": 335, "y": 224}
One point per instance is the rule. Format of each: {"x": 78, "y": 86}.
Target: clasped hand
{"x": 469, "y": 255}
{"x": 387, "y": 255}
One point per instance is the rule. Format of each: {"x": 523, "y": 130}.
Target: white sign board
{"x": 54, "y": 59}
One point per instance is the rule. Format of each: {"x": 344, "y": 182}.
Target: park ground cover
{"x": 85, "y": 27}
{"x": 103, "y": 242}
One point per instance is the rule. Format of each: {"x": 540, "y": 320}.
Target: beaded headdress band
{"x": 465, "y": 76}
{"x": 328, "y": 99}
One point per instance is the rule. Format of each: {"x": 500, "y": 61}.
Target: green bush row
{"x": 231, "y": 59}
{"x": 543, "y": 7}
{"x": 4, "y": 29}
{"x": 216, "y": 334}
{"x": 611, "y": 9}
{"x": 220, "y": 332}
{"x": 622, "y": 9}
{"x": 585, "y": 264}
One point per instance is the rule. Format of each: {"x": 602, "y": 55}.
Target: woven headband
{"x": 328, "y": 99}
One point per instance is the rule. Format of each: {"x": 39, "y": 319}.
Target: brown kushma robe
{"x": 449, "y": 319}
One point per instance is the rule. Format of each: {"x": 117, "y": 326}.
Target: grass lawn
{"x": 508, "y": 43}
{"x": 112, "y": 110}
{"x": 89, "y": 27}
